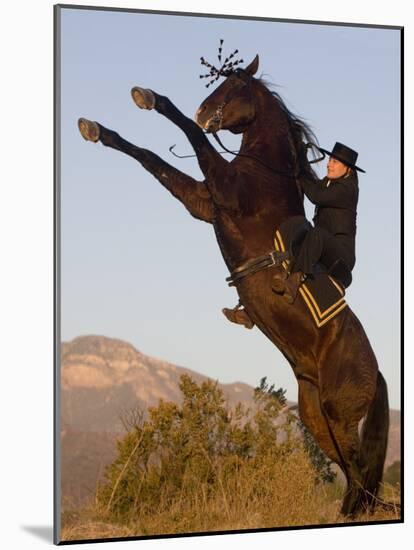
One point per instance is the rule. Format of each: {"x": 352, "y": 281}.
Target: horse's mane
{"x": 300, "y": 134}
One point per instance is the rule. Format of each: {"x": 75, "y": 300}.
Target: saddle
{"x": 324, "y": 293}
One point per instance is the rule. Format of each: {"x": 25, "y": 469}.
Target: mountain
{"x": 101, "y": 377}
{"x": 104, "y": 378}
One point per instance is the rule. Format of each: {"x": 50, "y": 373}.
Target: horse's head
{"x": 231, "y": 106}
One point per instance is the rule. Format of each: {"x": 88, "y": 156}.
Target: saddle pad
{"x": 323, "y": 296}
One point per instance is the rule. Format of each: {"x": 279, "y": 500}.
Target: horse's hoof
{"x": 88, "y": 129}
{"x": 144, "y": 98}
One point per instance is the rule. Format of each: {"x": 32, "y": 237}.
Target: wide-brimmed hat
{"x": 345, "y": 154}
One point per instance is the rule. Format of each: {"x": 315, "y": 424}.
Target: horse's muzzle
{"x": 210, "y": 123}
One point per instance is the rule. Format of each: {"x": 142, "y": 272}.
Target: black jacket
{"x": 336, "y": 206}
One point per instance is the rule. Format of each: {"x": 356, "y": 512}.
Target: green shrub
{"x": 198, "y": 463}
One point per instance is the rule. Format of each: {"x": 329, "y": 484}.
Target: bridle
{"x": 247, "y": 79}
{"x": 217, "y": 118}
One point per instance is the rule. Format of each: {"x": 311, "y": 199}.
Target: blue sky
{"x": 135, "y": 265}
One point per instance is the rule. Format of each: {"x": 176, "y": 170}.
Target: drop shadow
{"x": 44, "y": 532}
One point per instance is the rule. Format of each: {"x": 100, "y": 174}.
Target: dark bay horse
{"x": 246, "y": 200}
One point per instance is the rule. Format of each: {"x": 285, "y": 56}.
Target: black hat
{"x": 343, "y": 153}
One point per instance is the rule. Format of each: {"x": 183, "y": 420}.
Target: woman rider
{"x": 332, "y": 239}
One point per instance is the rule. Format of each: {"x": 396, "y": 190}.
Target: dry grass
{"x": 92, "y": 530}
{"x": 199, "y": 469}
{"x": 287, "y": 498}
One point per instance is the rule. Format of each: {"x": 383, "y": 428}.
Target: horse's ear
{"x": 254, "y": 65}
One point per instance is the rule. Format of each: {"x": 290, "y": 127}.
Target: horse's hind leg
{"x": 339, "y": 441}
{"x": 314, "y": 419}
{"x": 347, "y": 441}
{"x": 343, "y": 415}
{"x": 348, "y": 382}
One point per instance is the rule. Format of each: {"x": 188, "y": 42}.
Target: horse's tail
{"x": 374, "y": 439}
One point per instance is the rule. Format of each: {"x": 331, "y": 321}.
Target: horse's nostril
{"x": 199, "y": 112}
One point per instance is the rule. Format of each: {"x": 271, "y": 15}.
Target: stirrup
{"x": 238, "y": 315}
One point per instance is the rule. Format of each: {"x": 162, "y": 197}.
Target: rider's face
{"x": 336, "y": 168}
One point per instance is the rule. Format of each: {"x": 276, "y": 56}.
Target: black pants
{"x": 320, "y": 246}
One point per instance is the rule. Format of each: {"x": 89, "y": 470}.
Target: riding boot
{"x": 286, "y": 285}
{"x": 239, "y": 316}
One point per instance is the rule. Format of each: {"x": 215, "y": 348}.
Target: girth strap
{"x": 257, "y": 264}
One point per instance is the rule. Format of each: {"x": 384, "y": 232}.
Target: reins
{"x": 226, "y": 70}
{"x": 277, "y": 172}
{"x": 238, "y": 154}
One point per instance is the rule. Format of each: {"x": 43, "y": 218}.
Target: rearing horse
{"x": 246, "y": 200}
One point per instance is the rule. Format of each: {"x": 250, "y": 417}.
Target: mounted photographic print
{"x": 228, "y": 274}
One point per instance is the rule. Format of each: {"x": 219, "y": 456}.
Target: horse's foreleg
{"x": 209, "y": 159}
{"x": 193, "y": 194}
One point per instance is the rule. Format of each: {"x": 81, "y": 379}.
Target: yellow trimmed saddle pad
{"x": 323, "y": 296}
